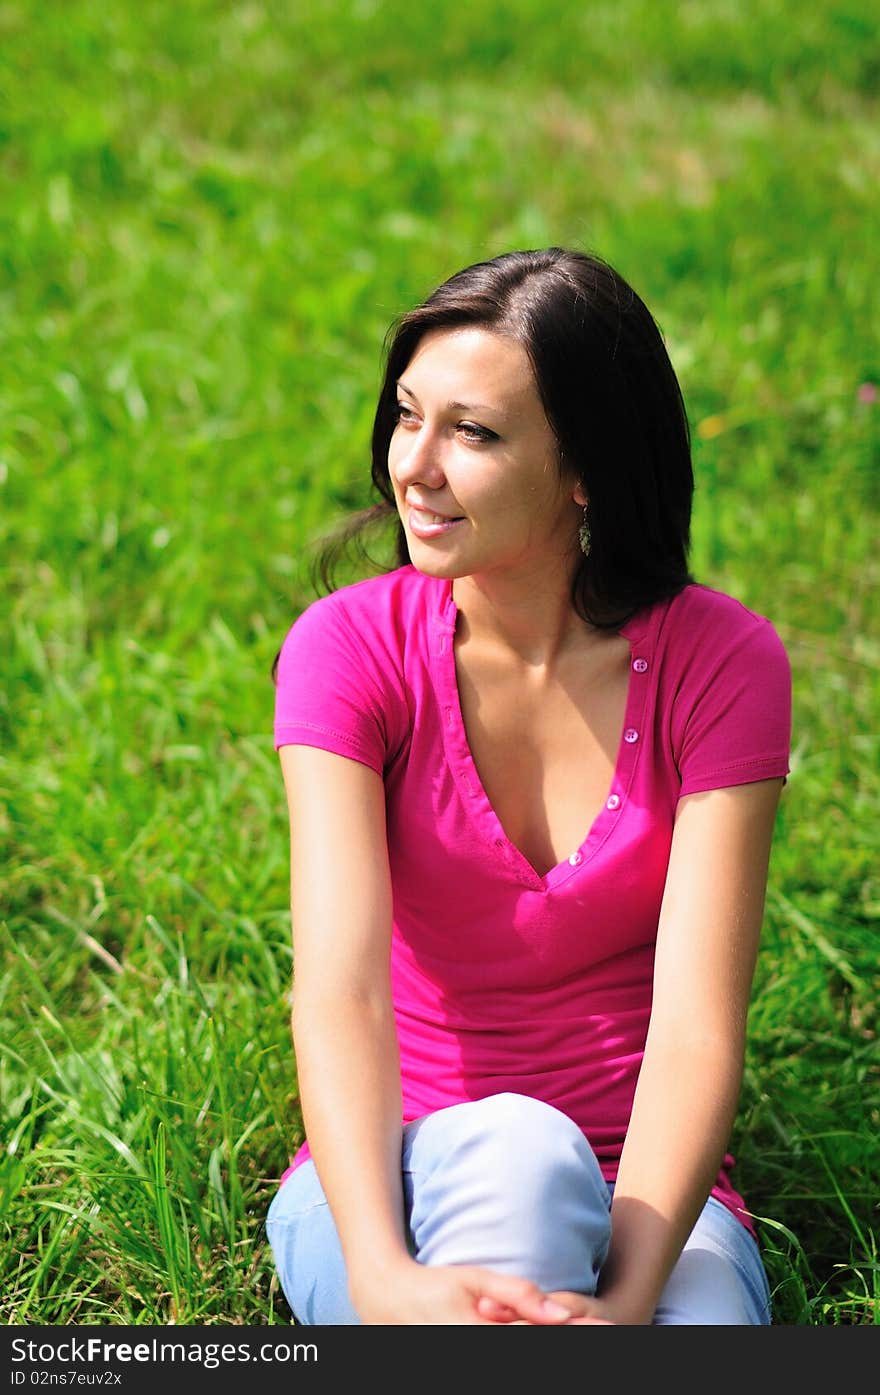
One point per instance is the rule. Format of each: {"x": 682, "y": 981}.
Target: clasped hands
{"x": 561, "y": 1308}
{"x": 468, "y": 1294}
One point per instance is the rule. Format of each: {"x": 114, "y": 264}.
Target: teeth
{"x": 434, "y": 517}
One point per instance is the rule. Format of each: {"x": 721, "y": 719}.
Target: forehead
{"x": 471, "y": 364}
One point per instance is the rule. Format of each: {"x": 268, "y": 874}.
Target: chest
{"x": 546, "y": 752}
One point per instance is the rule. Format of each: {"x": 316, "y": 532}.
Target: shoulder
{"x": 342, "y": 667}
{"x": 727, "y": 690}
{"x": 699, "y": 604}
{"x": 370, "y": 637}
{"x": 377, "y": 619}
{"x": 391, "y": 603}
{"x": 703, "y": 626}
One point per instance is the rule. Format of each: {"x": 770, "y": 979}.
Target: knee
{"x": 515, "y": 1137}
{"x": 705, "y": 1289}
{"x": 518, "y": 1118}
{"x": 514, "y": 1122}
{"x": 522, "y": 1127}
{"x": 510, "y": 1182}
{"x": 519, "y": 1113}
{"x": 719, "y": 1277}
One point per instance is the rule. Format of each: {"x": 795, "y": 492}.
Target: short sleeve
{"x": 732, "y": 721}
{"x": 327, "y": 691}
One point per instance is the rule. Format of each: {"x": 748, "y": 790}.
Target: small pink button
{"x": 575, "y": 858}
{"x": 612, "y": 801}
{"x": 630, "y": 735}
{"x": 640, "y": 665}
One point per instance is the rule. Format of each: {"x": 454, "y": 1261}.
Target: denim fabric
{"x": 510, "y": 1184}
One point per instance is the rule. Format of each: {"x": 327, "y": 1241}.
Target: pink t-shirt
{"x": 503, "y": 980}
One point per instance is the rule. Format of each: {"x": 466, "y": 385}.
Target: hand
{"x": 582, "y": 1310}
{"x": 453, "y": 1294}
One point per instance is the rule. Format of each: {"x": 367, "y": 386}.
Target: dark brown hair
{"x": 611, "y": 397}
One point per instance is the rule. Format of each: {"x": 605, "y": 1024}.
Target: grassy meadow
{"x": 210, "y": 214}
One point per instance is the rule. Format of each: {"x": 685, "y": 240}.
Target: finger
{"x": 584, "y": 1308}
{"x": 525, "y": 1298}
{"x": 578, "y": 1304}
{"x": 498, "y": 1312}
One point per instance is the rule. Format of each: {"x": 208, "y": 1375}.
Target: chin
{"x": 432, "y": 562}
{"x": 436, "y": 566}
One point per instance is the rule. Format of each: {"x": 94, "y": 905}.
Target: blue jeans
{"x": 512, "y": 1185}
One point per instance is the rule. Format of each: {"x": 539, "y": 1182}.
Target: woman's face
{"x": 472, "y": 444}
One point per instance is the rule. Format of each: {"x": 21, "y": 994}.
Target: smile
{"x": 425, "y": 524}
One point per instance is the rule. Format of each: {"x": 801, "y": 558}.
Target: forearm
{"x": 683, "y": 1112}
{"x": 348, "y": 1066}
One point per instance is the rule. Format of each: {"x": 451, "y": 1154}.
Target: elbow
{"x": 708, "y": 1048}
{"x": 326, "y": 1005}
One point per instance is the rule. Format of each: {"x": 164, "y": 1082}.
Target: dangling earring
{"x": 584, "y": 534}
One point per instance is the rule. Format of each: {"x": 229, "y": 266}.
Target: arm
{"x": 688, "y": 1088}
{"x": 345, "y": 1042}
{"x": 342, "y": 1021}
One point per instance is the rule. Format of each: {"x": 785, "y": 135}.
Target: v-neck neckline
{"x": 638, "y": 632}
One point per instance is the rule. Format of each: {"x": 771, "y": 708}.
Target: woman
{"x": 532, "y": 775}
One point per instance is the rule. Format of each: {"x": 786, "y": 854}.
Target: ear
{"x": 579, "y": 496}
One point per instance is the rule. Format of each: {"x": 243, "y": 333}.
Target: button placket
{"x": 467, "y": 776}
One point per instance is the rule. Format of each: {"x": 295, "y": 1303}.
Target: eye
{"x": 476, "y": 433}
{"x": 473, "y": 433}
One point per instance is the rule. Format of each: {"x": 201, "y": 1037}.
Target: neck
{"x": 528, "y": 619}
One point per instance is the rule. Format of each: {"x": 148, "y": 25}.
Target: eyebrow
{"x": 454, "y": 406}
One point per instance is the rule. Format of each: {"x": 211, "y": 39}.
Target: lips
{"x": 426, "y": 524}
{"x": 432, "y": 516}
{"x": 426, "y": 516}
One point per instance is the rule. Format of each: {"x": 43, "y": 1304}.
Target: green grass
{"x": 209, "y": 216}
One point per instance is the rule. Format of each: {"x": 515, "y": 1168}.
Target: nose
{"x": 414, "y": 458}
